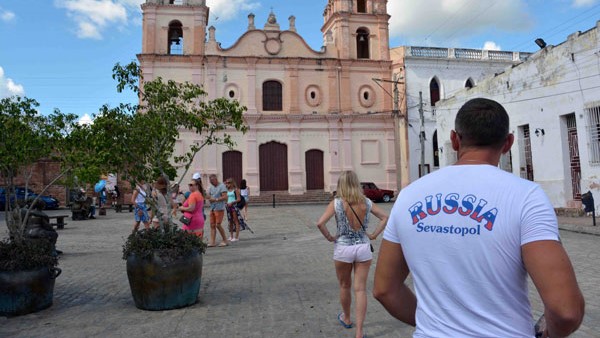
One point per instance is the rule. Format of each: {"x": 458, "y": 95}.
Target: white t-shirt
{"x": 461, "y": 229}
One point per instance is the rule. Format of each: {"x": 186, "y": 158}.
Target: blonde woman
{"x": 352, "y": 249}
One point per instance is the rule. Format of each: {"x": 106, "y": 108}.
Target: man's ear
{"x": 510, "y": 139}
{"x": 455, "y": 140}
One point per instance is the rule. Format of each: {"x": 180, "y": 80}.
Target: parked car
{"x": 372, "y": 192}
{"x": 27, "y": 194}
{"x": 375, "y": 194}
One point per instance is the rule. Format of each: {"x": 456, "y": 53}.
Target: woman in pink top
{"x": 192, "y": 209}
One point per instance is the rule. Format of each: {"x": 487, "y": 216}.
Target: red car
{"x": 375, "y": 194}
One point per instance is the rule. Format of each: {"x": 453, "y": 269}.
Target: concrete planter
{"x": 159, "y": 285}
{"x": 23, "y": 292}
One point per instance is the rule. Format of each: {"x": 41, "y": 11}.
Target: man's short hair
{"x": 482, "y": 123}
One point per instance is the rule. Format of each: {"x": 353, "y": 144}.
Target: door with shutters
{"x": 314, "y": 170}
{"x": 273, "y": 164}
{"x": 574, "y": 160}
{"x": 232, "y": 166}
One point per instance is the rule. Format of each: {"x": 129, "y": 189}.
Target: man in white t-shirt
{"x": 470, "y": 234}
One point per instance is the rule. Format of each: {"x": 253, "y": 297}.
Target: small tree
{"x": 26, "y": 137}
{"x": 139, "y": 141}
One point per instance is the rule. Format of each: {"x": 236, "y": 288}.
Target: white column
{"x": 252, "y": 164}
{"x": 295, "y": 156}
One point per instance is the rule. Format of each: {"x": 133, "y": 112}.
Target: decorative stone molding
{"x": 232, "y": 92}
{"x": 313, "y": 95}
{"x": 366, "y": 96}
{"x": 273, "y": 46}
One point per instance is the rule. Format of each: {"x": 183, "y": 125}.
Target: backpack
{"x": 242, "y": 203}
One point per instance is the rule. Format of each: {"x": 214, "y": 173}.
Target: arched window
{"x": 469, "y": 84}
{"x": 434, "y": 91}
{"x": 272, "y": 96}
{"x": 362, "y": 44}
{"x": 175, "y": 38}
{"x": 362, "y": 6}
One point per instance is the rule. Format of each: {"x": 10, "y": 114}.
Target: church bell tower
{"x": 358, "y": 29}
{"x": 174, "y": 27}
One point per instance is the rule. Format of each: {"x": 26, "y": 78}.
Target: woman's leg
{"x": 344, "y": 273}
{"x": 199, "y": 233}
{"x": 237, "y": 228}
{"x": 231, "y": 222}
{"x": 235, "y": 214}
{"x": 361, "y": 271}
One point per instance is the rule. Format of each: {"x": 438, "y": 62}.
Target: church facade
{"x": 311, "y": 113}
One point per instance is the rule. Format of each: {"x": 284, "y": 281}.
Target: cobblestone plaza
{"x": 278, "y": 282}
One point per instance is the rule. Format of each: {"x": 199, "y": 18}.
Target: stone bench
{"x": 60, "y": 221}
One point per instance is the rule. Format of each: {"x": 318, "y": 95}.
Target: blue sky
{"x": 61, "y": 52}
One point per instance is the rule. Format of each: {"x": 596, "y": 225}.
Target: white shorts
{"x": 352, "y": 253}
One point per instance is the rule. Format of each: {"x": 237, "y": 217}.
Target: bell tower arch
{"x": 174, "y": 27}
{"x": 359, "y": 28}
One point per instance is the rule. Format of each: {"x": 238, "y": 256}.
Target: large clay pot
{"x": 23, "y": 292}
{"x": 160, "y": 285}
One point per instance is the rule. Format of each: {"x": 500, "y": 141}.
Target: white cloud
{"x": 8, "y": 87}
{"x": 6, "y": 15}
{"x": 491, "y": 45}
{"x": 444, "y": 21}
{"x": 85, "y": 119}
{"x": 583, "y": 3}
{"x": 229, "y": 9}
{"x": 93, "y": 16}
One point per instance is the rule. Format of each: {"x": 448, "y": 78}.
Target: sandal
{"x": 348, "y": 326}
{"x": 222, "y": 244}
{"x": 211, "y": 245}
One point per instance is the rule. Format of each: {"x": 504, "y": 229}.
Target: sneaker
{"x": 234, "y": 239}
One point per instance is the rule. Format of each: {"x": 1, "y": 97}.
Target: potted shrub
{"x": 164, "y": 265}
{"x": 28, "y": 266}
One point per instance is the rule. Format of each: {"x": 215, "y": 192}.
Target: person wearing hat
{"x": 163, "y": 204}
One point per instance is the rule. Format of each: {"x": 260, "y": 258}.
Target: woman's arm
{"x": 383, "y": 217}
{"x": 322, "y": 223}
{"x": 191, "y": 204}
{"x": 134, "y": 195}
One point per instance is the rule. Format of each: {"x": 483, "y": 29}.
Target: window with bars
{"x": 593, "y": 126}
{"x": 272, "y": 96}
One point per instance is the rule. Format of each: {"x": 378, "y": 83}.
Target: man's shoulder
{"x": 218, "y": 188}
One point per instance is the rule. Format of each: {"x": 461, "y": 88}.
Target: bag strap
{"x": 358, "y": 218}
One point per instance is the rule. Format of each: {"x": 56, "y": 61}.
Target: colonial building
{"x": 553, "y": 100}
{"x": 429, "y": 74}
{"x": 311, "y": 113}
